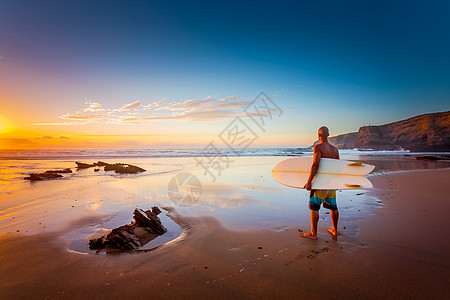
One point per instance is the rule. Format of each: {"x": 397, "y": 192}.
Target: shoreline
{"x": 384, "y": 259}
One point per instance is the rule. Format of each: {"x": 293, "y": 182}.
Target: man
{"x": 328, "y": 197}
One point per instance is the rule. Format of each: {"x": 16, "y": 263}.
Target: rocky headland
{"x": 427, "y": 132}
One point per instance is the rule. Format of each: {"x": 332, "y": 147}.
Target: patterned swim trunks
{"x": 327, "y": 197}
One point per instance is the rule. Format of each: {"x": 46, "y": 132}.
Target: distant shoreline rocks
{"x": 51, "y": 174}
{"x": 119, "y": 168}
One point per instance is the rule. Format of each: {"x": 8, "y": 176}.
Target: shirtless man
{"x": 317, "y": 197}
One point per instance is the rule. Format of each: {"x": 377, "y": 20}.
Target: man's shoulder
{"x": 320, "y": 146}
{"x": 317, "y": 148}
{"x": 327, "y": 150}
{"x": 333, "y": 146}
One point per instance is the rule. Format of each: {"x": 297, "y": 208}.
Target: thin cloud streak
{"x": 132, "y": 105}
{"x": 82, "y": 117}
{"x": 215, "y": 115}
{"x": 58, "y": 124}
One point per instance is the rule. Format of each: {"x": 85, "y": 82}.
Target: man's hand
{"x": 307, "y": 186}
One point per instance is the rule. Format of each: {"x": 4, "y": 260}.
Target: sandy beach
{"x": 394, "y": 247}
{"x": 166, "y": 149}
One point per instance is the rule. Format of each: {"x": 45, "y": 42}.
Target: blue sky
{"x": 342, "y": 64}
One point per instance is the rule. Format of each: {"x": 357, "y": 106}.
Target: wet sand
{"x": 399, "y": 251}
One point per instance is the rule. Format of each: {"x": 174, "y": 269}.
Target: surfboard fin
{"x": 355, "y": 164}
{"x": 352, "y": 185}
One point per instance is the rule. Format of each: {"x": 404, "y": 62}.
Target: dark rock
{"x": 123, "y": 168}
{"x": 96, "y": 170}
{"x": 118, "y": 168}
{"x": 42, "y": 176}
{"x": 81, "y": 165}
{"x": 156, "y": 210}
{"x": 67, "y": 170}
{"x": 149, "y": 220}
{"x": 132, "y": 236}
{"x": 98, "y": 243}
{"x": 123, "y": 237}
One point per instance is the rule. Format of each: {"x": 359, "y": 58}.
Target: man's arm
{"x": 314, "y": 167}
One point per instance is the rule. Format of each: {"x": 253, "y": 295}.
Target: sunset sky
{"x": 176, "y": 73}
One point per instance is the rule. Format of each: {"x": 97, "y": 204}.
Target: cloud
{"x": 93, "y": 106}
{"x": 58, "y": 124}
{"x": 47, "y": 137}
{"x": 153, "y": 104}
{"x": 213, "y": 115}
{"x": 208, "y": 109}
{"x": 205, "y": 109}
{"x": 206, "y": 104}
{"x": 82, "y": 117}
{"x": 130, "y": 106}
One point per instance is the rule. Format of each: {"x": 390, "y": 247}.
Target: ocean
{"x": 142, "y": 153}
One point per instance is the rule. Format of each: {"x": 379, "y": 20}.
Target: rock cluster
{"x": 146, "y": 227}
{"x": 51, "y": 174}
{"x": 81, "y": 165}
{"x": 118, "y": 168}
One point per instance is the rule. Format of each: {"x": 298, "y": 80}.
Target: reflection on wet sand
{"x": 390, "y": 163}
{"x": 246, "y": 196}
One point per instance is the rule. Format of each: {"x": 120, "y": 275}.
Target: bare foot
{"x": 333, "y": 233}
{"x": 309, "y": 235}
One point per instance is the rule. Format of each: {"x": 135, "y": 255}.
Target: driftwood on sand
{"x": 146, "y": 227}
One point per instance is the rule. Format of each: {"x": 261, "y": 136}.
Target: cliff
{"x": 428, "y": 132}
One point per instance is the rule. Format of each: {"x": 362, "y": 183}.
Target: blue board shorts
{"x": 327, "y": 197}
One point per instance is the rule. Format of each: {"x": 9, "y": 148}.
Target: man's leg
{"x": 314, "y": 220}
{"x": 334, "y": 221}
{"x": 330, "y": 203}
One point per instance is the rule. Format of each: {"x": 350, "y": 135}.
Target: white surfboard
{"x": 333, "y": 174}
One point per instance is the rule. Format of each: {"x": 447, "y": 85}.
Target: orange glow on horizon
{"x": 5, "y": 125}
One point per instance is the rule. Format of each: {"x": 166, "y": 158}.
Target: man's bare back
{"x": 326, "y": 150}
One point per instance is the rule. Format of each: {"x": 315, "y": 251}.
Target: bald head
{"x": 323, "y": 133}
